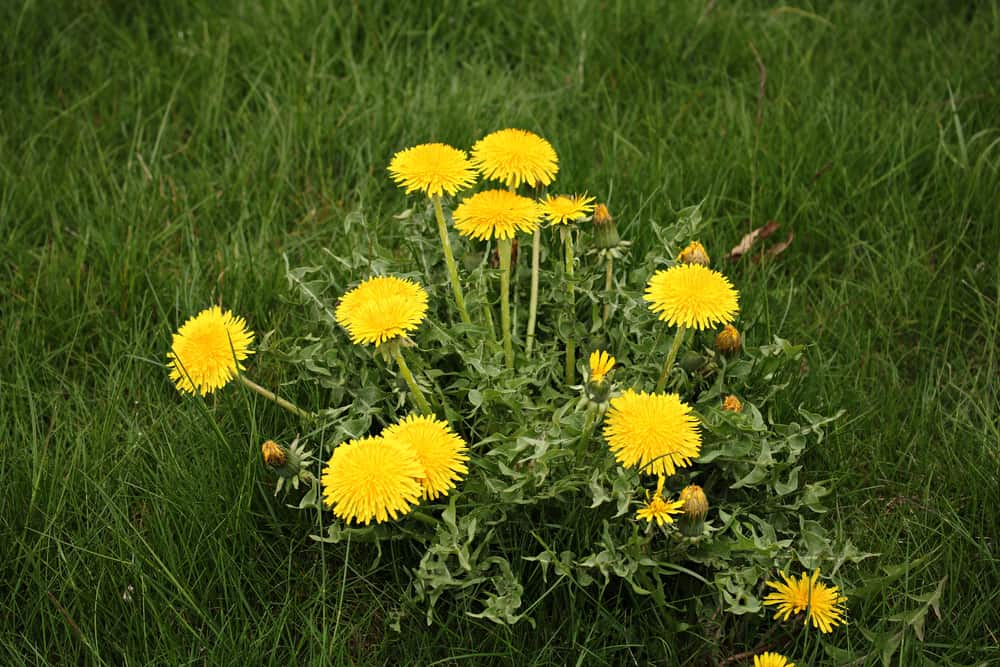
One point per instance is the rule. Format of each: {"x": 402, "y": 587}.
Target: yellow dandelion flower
{"x": 657, "y": 509}
{"x": 498, "y": 214}
{"x": 732, "y": 404}
{"x": 690, "y": 295}
{"x": 274, "y": 454}
{"x": 442, "y": 454}
{"x": 564, "y": 209}
{"x": 601, "y": 363}
{"x": 372, "y": 478}
{"x": 601, "y": 215}
{"x": 207, "y": 349}
{"x": 694, "y": 253}
{"x": 382, "y": 308}
{"x": 655, "y": 432}
{"x": 432, "y": 168}
{"x": 514, "y": 156}
{"x": 771, "y": 660}
{"x": 822, "y": 604}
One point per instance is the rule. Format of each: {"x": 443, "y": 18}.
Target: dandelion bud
{"x": 694, "y": 508}
{"x": 694, "y": 253}
{"x": 598, "y": 387}
{"x": 605, "y": 230}
{"x": 732, "y": 404}
{"x": 691, "y": 361}
{"x": 274, "y": 454}
{"x": 290, "y": 463}
{"x": 728, "y": 341}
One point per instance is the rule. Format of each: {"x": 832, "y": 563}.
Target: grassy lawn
{"x": 156, "y": 158}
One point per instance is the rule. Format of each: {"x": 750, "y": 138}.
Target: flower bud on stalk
{"x": 728, "y": 341}
{"x": 290, "y": 463}
{"x": 694, "y": 253}
{"x": 694, "y": 510}
{"x": 732, "y": 404}
{"x": 605, "y": 230}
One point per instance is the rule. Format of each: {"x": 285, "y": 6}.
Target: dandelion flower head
{"x": 822, "y": 604}
{"x": 653, "y": 432}
{"x": 659, "y": 510}
{"x": 372, "y": 479}
{"x": 496, "y": 214}
{"x": 732, "y": 403}
{"x": 441, "y": 453}
{"x": 601, "y": 363}
{"x": 434, "y": 169}
{"x": 694, "y": 253}
{"x": 693, "y": 296}
{"x": 564, "y": 209}
{"x": 771, "y": 660}
{"x": 382, "y": 308}
{"x": 515, "y": 156}
{"x": 207, "y": 349}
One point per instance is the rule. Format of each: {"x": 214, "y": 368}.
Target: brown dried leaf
{"x": 746, "y": 243}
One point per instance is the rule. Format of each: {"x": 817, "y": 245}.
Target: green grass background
{"x": 159, "y": 157}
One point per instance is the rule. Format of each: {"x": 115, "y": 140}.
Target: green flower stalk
{"x": 449, "y": 259}
{"x": 504, "y": 248}
{"x": 536, "y": 256}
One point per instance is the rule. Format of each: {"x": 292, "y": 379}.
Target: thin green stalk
{"x": 271, "y": 396}
{"x": 411, "y": 382}
{"x": 587, "y": 432}
{"x": 567, "y": 236}
{"x": 449, "y": 259}
{"x": 503, "y": 247}
{"x": 536, "y": 256}
{"x": 671, "y": 357}
{"x": 608, "y": 278}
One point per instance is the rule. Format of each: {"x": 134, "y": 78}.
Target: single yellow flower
{"x": 274, "y": 454}
{"x": 442, "y": 454}
{"x": 601, "y": 215}
{"x": 822, "y": 604}
{"x": 514, "y": 156}
{"x": 434, "y": 169}
{"x": 654, "y": 432}
{"x": 690, "y": 295}
{"x": 728, "y": 340}
{"x": 694, "y": 253}
{"x": 207, "y": 349}
{"x": 601, "y": 363}
{"x": 564, "y": 209}
{"x": 496, "y": 214}
{"x": 372, "y": 479}
{"x": 732, "y": 404}
{"x": 382, "y": 308}
{"x": 771, "y": 660}
{"x": 657, "y": 509}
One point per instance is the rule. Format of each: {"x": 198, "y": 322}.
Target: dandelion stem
{"x": 536, "y": 257}
{"x": 271, "y": 396}
{"x": 567, "y": 237}
{"x": 503, "y": 247}
{"x": 608, "y": 278}
{"x": 671, "y": 357}
{"x": 411, "y": 382}
{"x": 587, "y": 432}
{"x": 449, "y": 259}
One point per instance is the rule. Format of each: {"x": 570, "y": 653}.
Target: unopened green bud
{"x": 728, "y": 341}
{"x": 695, "y": 509}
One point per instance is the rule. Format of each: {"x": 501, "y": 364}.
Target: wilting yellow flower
{"x": 382, "y": 308}
{"x": 728, "y": 340}
{"x": 601, "y": 215}
{"x": 732, "y": 404}
{"x": 432, "y": 168}
{"x": 822, "y": 604}
{"x": 692, "y": 296}
{"x": 694, "y": 502}
{"x": 442, "y": 454}
{"x": 657, "y": 509}
{"x": 564, "y": 209}
{"x": 694, "y": 253}
{"x": 601, "y": 364}
{"x": 514, "y": 156}
{"x": 496, "y": 214}
{"x": 771, "y": 660}
{"x": 655, "y": 432}
{"x": 372, "y": 478}
{"x": 207, "y": 349}
{"x": 274, "y": 455}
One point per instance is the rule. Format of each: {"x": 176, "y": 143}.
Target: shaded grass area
{"x": 155, "y": 159}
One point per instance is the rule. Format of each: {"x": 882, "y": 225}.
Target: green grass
{"x": 157, "y": 158}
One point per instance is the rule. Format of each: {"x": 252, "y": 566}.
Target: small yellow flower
{"x": 694, "y": 502}
{"x": 653, "y": 432}
{"x": 601, "y": 215}
{"x": 822, "y": 604}
{"x": 207, "y": 349}
{"x": 564, "y": 209}
{"x": 694, "y": 253}
{"x": 372, "y": 479}
{"x": 496, "y": 214}
{"x": 692, "y": 296}
{"x": 432, "y": 168}
{"x": 601, "y": 363}
{"x": 382, "y": 308}
{"x": 274, "y": 454}
{"x": 771, "y": 660}
{"x": 732, "y": 404}
{"x": 442, "y": 454}
{"x": 515, "y": 156}
{"x": 728, "y": 341}
{"x": 657, "y": 509}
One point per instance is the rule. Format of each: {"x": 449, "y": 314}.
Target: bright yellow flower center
{"x": 382, "y": 308}
{"x": 515, "y": 156}
{"x": 207, "y": 349}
